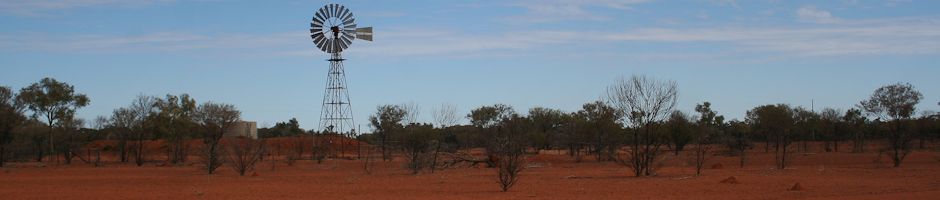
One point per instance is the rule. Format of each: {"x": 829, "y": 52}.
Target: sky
{"x": 257, "y": 55}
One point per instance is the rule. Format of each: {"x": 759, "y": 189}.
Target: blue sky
{"x": 561, "y": 54}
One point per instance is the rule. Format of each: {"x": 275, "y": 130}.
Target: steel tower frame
{"x": 336, "y": 113}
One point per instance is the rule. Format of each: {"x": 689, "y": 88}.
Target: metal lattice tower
{"x": 336, "y": 113}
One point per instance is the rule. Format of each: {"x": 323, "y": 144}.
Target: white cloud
{"x": 811, "y": 14}
{"x": 562, "y": 10}
{"x": 882, "y": 37}
{"x": 45, "y": 7}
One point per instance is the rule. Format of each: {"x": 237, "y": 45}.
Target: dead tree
{"x": 508, "y": 146}
{"x": 646, "y": 102}
{"x": 244, "y": 153}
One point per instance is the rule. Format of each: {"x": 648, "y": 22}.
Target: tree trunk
{"x": 51, "y": 145}
{"x": 139, "y": 155}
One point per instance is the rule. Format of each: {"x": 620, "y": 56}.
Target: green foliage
{"x": 776, "y": 122}
{"x": 282, "y": 129}
{"x": 52, "y": 100}
{"x": 896, "y": 102}
{"x": 678, "y": 130}
{"x": 386, "y": 120}
{"x": 416, "y": 141}
{"x": 214, "y": 119}
{"x": 11, "y": 117}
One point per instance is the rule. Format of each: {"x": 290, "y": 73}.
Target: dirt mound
{"x": 730, "y": 180}
{"x": 718, "y": 166}
{"x": 796, "y": 187}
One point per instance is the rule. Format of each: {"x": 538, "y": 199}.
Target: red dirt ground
{"x": 551, "y": 175}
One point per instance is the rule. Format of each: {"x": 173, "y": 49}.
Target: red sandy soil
{"x": 551, "y": 175}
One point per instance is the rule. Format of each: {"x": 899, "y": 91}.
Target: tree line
{"x": 634, "y": 124}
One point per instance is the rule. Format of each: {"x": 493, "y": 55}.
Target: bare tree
{"x": 144, "y": 107}
{"x": 244, "y": 153}
{"x": 215, "y": 119}
{"x": 645, "y": 101}
{"x": 895, "y": 102}
{"x": 508, "y": 146}
{"x": 445, "y": 116}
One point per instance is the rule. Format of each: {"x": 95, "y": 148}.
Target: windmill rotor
{"x": 333, "y": 29}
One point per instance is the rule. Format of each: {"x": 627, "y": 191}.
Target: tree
{"x": 445, "y": 116}
{"x": 603, "y": 128}
{"x": 123, "y": 120}
{"x": 831, "y": 127}
{"x": 508, "y": 148}
{"x": 895, "y": 102}
{"x": 244, "y": 153}
{"x": 387, "y": 118}
{"x": 54, "y": 101}
{"x": 736, "y": 139}
{"x": 855, "y": 124}
{"x": 707, "y": 127}
{"x": 645, "y": 101}
{"x": 215, "y": 119}
{"x": 547, "y": 124}
{"x": 486, "y": 119}
{"x": 806, "y": 124}
{"x": 144, "y": 107}
{"x": 174, "y": 120}
{"x": 71, "y": 127}
{"x": 281, "y": 129}
{"x": 777, "y": 122}
{"x": 11, "y": 117}
{"x": 417, "y": 146}
{"x": 678, "y": 130}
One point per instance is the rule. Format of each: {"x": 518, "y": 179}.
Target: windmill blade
{"x": 332, "y": 10}
{"x": 316, "y": 21}
{"x": 342, "y": 12}
{"x": 348, "y": 17}
{"x": 317, "y": 37}
{"x": 350, "y": 33}
{"x": 320, "y": 40}
{"x": 342, "y": 45}
{"x": 316, "y": 29}
{"x": 346, "y": 41}
{"x": 318, "y": 18}
{"x": 322, "y": 14}
{"x": 350, "y": 21}
{"x": 350, "y": 26}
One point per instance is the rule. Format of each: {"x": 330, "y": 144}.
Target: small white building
{"x": 243, "y": 129}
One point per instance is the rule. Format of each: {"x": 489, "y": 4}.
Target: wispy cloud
{"x": 154, "y": 42}
{"x": 812, "y": 14}
{"x": 561, "y": 10}
{"x": 882, "y": 37}
{"x": 46, "y": 7}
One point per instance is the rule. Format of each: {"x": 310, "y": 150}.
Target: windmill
{"x": 333, "y": 29}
